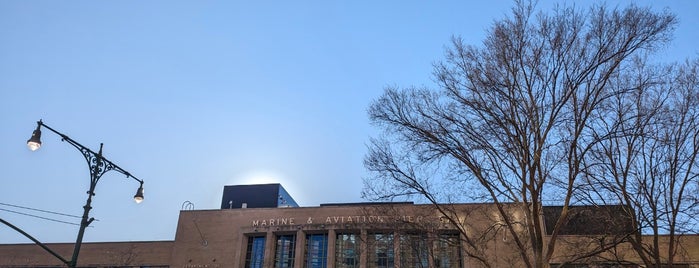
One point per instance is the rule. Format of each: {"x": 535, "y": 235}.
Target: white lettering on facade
{"x": 273, "y": 222}
{"x": 290, "y": 221}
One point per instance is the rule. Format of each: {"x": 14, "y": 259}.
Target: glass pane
{"x": 255, "y": 252}
{"x": 414, "y": 250}
{"x": 380, "y": 250}
{"x": 448, "y": 253}
{"x": 347, "y": 251}
{"x": 284, "y": 253}
{"x": 316, "y": 250}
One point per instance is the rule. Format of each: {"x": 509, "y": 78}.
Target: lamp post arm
{"x": 98, "y": 166}
{"x": 35, "y": 241}
{"x": 92, "y": 157}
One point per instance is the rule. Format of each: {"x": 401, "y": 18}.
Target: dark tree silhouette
{"x": 649, "y": 160}
{"x": 518, "y": 120}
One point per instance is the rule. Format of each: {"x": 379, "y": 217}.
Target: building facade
{"x": 362, "y": 235}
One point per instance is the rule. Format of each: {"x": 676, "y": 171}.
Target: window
{"x": 284, "y": 253}
{"x": 380, "y": 250}
{"x": 255, "y": 252}
{"x": 347, "y": 250}
{"x": 413, "y": 250}
{"x": 448, "y": 255}
{"x": 316, "y": 250}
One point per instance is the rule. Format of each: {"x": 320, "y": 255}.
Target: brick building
{"x": 261, "y": 226}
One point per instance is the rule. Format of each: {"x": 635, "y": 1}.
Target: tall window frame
{"x": 285, "y": 251}
{"x": 347, "y": 250}
{"x": 316, "y": 250}
{"x": 414, "y": 250}
{"x": 448, "y": 251}
{"x": 380, "y": 250}
{"x": 255, "y": 254}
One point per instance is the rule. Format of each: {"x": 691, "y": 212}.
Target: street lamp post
{"x": 98, "y": 166}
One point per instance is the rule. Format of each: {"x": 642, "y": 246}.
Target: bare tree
{"x": 649, "y": 162}
{"x": 514, "y": 119}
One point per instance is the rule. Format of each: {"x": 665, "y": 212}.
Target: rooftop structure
{"x": 271, "y": 195}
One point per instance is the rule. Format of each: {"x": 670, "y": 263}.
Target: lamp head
{"x": 139, "y": 195}
{"x": 35, "y": 141}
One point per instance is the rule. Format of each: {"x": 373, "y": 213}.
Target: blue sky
{"x": 193, "y": 95}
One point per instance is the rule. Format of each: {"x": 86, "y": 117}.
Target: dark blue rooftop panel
{"x": 256, "y": 196}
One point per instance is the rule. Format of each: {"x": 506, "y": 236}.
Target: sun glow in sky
{"x": 190, "y": 96}
{"x": 260, "y": 177}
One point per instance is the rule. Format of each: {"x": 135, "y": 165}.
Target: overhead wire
{"x": 40, "y": 217}
{"x": 40, "y": 210}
